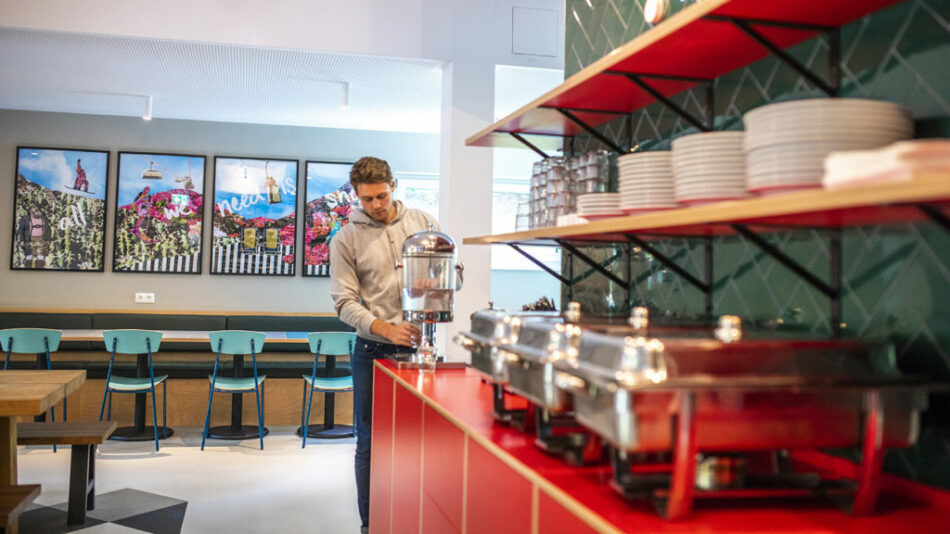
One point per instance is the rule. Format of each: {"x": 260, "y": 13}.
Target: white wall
{"x": 108, "y": 290}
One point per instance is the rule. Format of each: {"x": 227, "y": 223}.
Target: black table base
{"x": 131, "y": 433}
{"x": 334, "y": 432}
{"x": 240, "y": 433}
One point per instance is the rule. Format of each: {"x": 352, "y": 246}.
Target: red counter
{"x": 441, "y": 465}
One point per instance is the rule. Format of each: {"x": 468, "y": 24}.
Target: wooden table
{"x": 25, "y": 393}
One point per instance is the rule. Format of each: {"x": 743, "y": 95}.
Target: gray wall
{"x": 406, "y": 152}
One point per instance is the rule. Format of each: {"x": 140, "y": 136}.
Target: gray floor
{"x": 228, "y": 487}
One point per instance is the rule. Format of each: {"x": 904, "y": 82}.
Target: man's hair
{"x": 370, "y": 170}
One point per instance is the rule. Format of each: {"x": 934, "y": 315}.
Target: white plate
{"x": 873, "y": 139}
{"x": 819, "y": 105}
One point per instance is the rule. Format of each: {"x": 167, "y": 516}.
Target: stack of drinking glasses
{"x": 556, "y": 182}
{"x": 591, "y": 172}
{"x": 559, "y": 198}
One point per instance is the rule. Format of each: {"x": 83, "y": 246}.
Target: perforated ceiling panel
{"x": 112, "y": 75}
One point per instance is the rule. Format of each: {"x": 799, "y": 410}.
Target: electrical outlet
{"x": 145, "y": 298}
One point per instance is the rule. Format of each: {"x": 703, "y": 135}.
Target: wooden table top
{"x": 34, "y": 392}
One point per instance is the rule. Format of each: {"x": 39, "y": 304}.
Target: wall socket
{"x": 145, "y": 298}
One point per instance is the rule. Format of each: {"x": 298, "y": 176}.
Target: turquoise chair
{"x": 32, "y": 341}
{"x": 135, "y": 342}
{"x": 236, "y": 342}
{"x": 330, "y": 344}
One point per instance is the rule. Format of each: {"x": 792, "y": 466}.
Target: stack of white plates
{"x": 646, "y": 181}
{"x": 787, "y": 143}
{"x": 594, "y": 206}
{"x": 709, "y": 167}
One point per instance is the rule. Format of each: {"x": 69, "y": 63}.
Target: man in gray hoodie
{"x": 366, "y": 293}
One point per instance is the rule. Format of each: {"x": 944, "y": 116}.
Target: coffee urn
{"x": 431, "y": 275}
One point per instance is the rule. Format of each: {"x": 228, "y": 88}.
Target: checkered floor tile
{"x": 123, "y": 511}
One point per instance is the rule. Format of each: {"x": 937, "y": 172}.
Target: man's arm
{"x": 344, "y": 289}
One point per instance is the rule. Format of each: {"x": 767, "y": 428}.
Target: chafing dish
{"x": 709, "y": 397}
{"x": 731, "y": 393}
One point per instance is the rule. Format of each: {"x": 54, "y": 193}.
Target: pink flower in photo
{"x": 289, "y": 258}
{"x": 287, "y": 235}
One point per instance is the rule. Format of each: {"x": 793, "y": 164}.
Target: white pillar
{"x": 465, "y": 182}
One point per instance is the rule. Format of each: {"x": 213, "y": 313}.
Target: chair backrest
{"x": 132, "y": 341}
{"x": 29, "y": 340}
{"x": 237, "y": 341}
{"x": 331, "y": 343}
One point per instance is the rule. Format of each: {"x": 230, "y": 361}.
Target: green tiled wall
{"x": 896, "y": 277}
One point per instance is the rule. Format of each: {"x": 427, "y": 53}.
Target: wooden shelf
{"x": 854, "y": 206}
{"x": 687, "y": 45}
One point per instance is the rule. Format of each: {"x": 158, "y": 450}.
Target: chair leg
{"x": 306, "y": 425}
{"x": 110, "y": 407}
{"x": 260, "y": 421}
{"x": 154, "y": 418}
{"x": 303, "y": 403}
{"x": 102, "y": 409}
{"x": 204, "y": 435}
{"x": 165, "y": 408}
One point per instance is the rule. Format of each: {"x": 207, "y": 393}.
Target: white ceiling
{"x": 112, "y": 75}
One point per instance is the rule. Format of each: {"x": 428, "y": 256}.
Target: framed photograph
{"x": 329, "y": 200}
{"x": 254, "y": 216}
{"x": 158, "y": 213}
{"x": 59, "y": 208}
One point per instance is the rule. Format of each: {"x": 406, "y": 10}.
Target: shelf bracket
{"x": 670, "y": 264}
{"x": 638, "y": 79}
{"x": 541, "y": 264}
{"x": 586, "y": 259}
{"x": 937, "y": 216}
{"x": 528, "y": 144}
{"x": 829, "y": 290}
{"x": 591, "y": 130}
{"x": 831, "y": 87}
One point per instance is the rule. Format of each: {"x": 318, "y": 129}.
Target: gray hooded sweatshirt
{"x": 363, "y": 277}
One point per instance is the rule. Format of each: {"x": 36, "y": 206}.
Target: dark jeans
{"x": 362, "y": 367}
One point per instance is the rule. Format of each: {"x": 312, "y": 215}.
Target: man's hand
{"x": 403, "y": 334}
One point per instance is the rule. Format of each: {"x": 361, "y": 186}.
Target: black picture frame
{"x": 75, "y": 240}
{"x": 167, "y": 228}
{"x": 316, "y": 238}
{"x": 229, "y": 252}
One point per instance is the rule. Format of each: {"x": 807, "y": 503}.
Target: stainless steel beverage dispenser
{"x": 431, "y": 275}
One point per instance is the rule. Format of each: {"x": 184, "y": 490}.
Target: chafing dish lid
{"x": 643, "y": 362}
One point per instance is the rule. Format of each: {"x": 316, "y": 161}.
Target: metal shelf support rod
{"x": 670, "y": 264}
{"x": 837, "y": 266}
{"x": 784, "y": 259}
{"x": 708, "y": 268}
{"x": 638, "y": 80}
{"x": 670, "y": 77}
{"x": 591, "y": 130}
{"x": 600, "y": 268}
{"x": 540, "y": 264}
{"x": 585, "y": 110}
{"x": 586, "y": 274}
{"x": 834, "y": 45}
{"x": 937, "y": 216}
{"x": 528, "y": 144}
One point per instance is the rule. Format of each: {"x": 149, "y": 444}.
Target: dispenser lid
{"x": 428, "y": 242}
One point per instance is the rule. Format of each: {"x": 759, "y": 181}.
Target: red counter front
{"x": 441, "y": 465}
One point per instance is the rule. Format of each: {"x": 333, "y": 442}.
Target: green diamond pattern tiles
{"x": 896, "y": 279}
